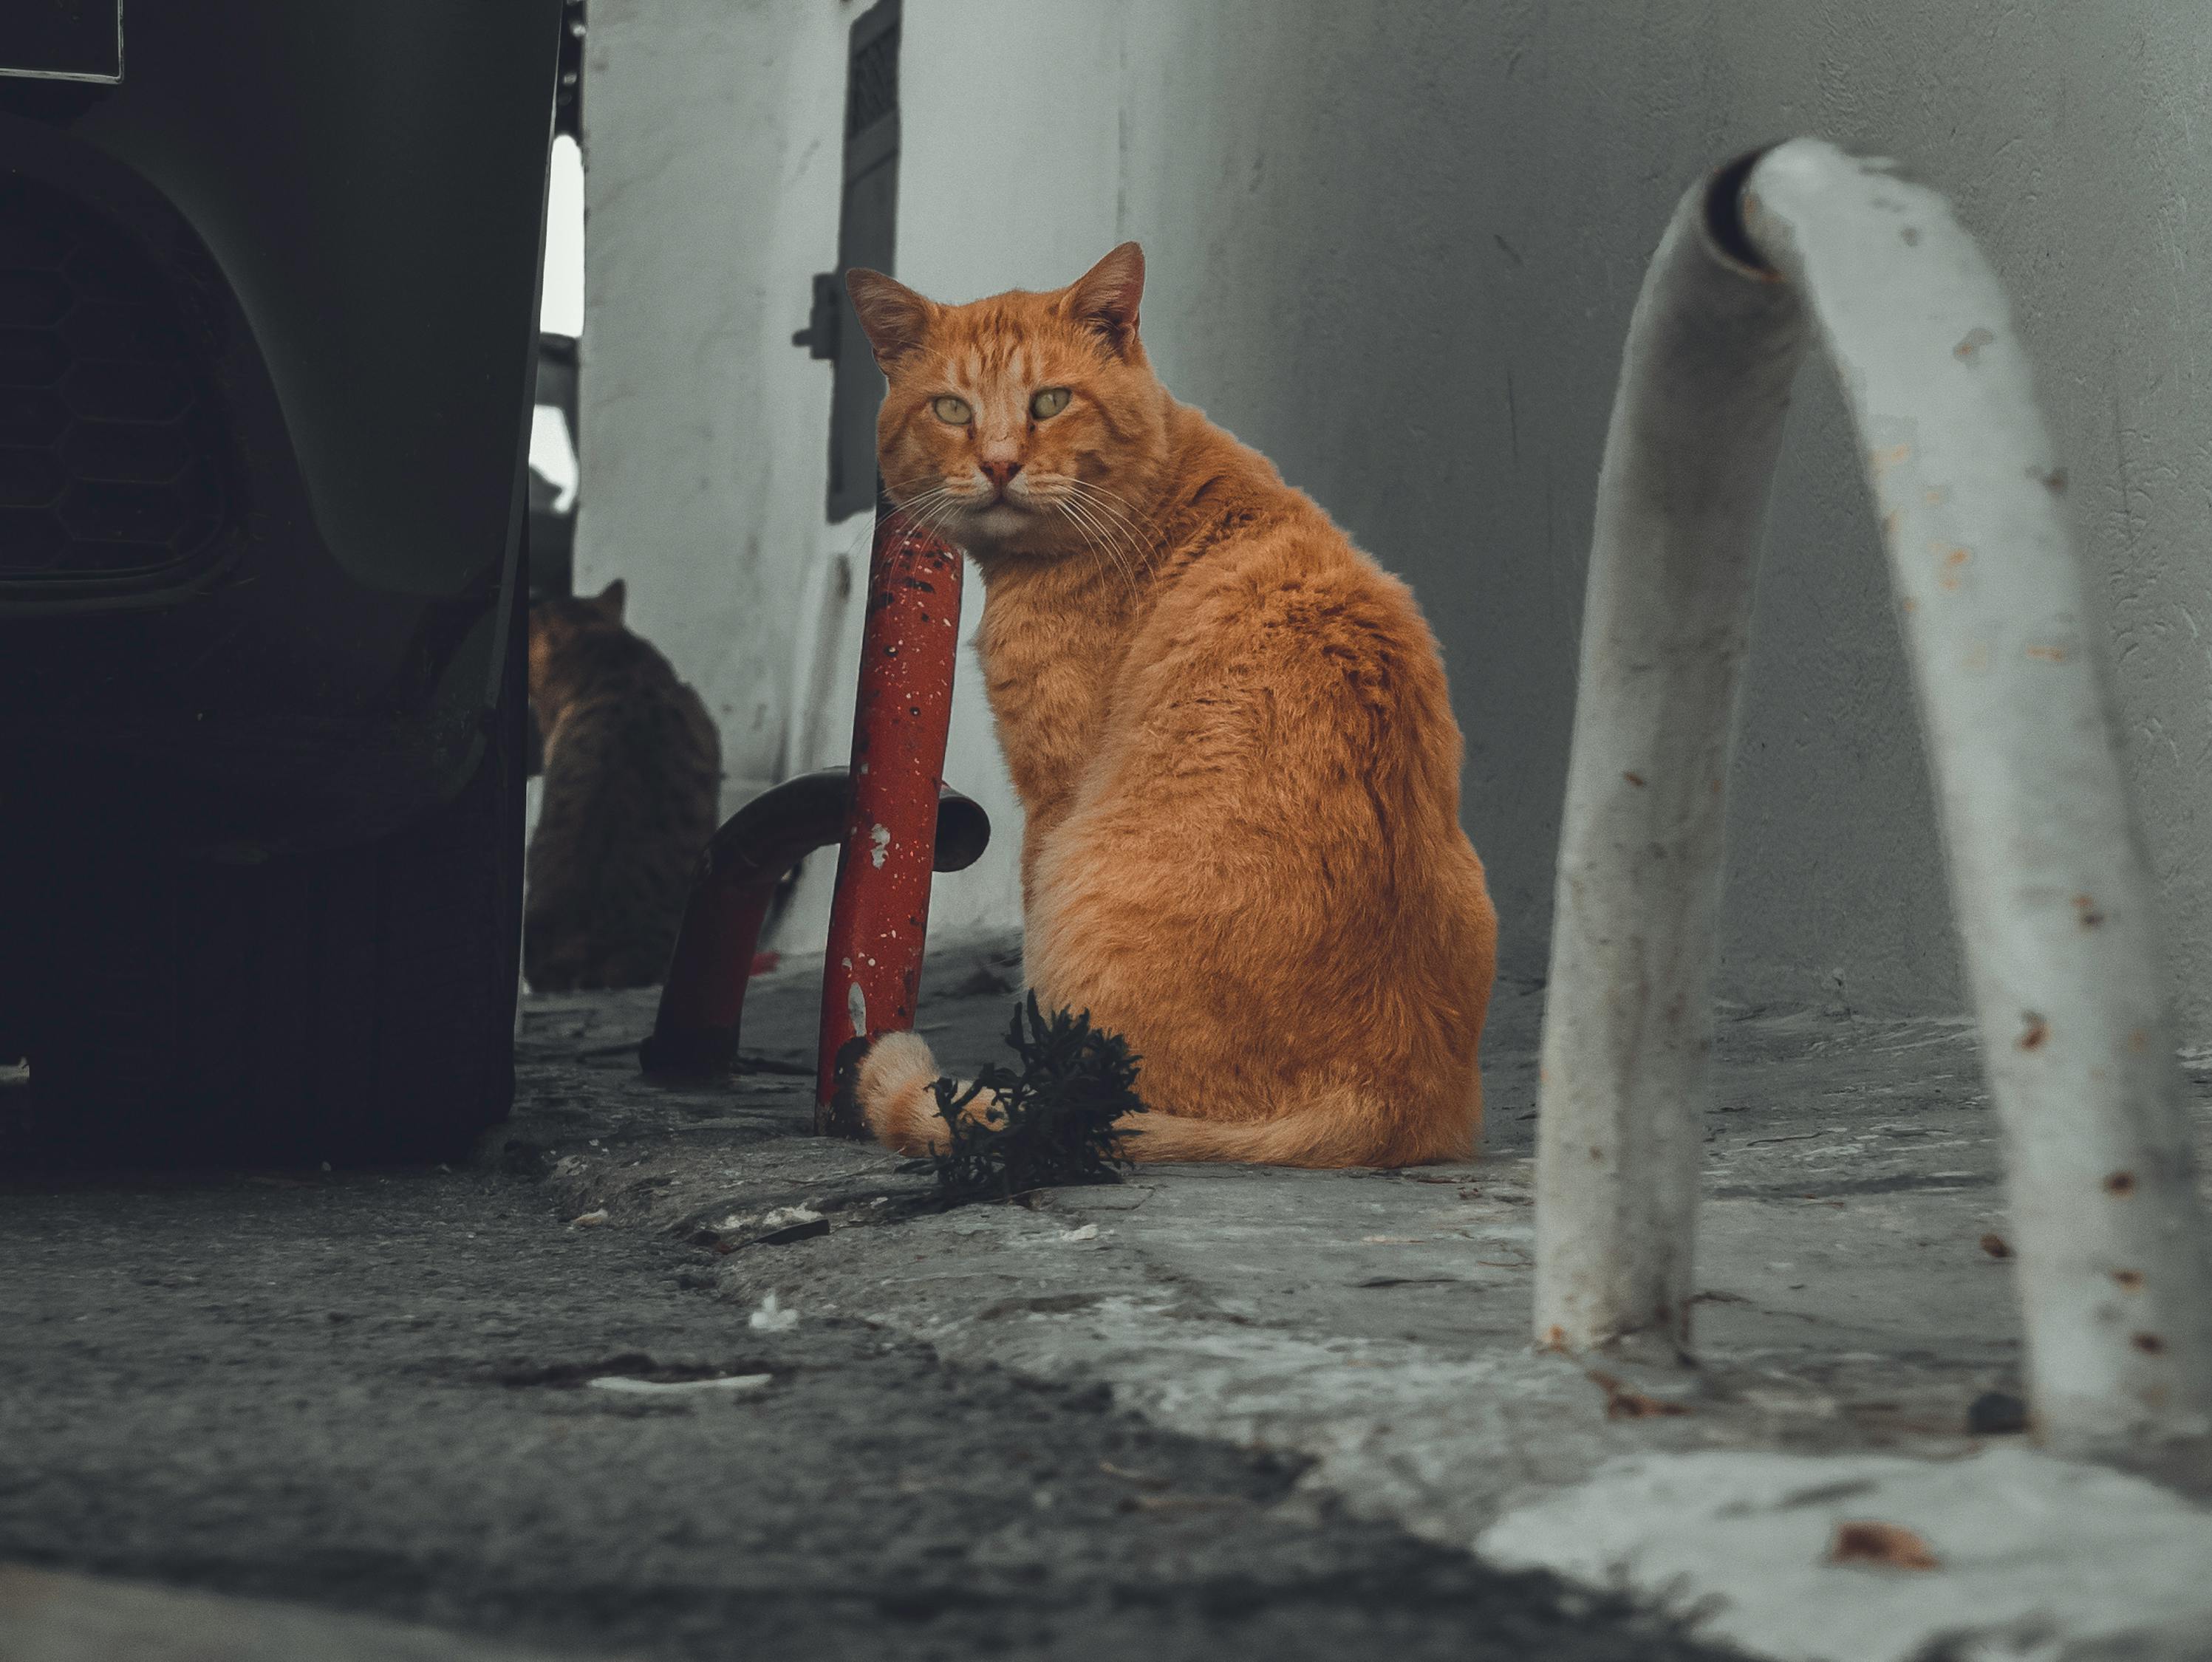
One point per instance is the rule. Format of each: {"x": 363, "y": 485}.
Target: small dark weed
{"x": 1053, "y": 1126}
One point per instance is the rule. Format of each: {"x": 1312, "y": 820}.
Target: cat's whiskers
{"x": 1097, "y": 490}
{"x": 1133, "y": 537}
{"x": 1096, "y": 513}
{"x": 960, "y": 500}
{"x": 922, "y": 499}
{"x": 927, "y": 510}
{"x": 1101, "y": 520}
{"x": 931, "y": 522}
{"x": 1113, "y": 506}
{"x": 927, "y": 516}
{"x": 1100, "y": 536}
{"x": 945, "y": 501}
{"x": 1119, "y": 505}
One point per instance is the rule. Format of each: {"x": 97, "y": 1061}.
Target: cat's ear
{"x": 1106, "y": 297}
{"x": 611, "y": 598}
{"x": 892, "y": 316}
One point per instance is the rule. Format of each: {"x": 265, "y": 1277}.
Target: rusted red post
{"x": 703, "y": 1000}
{"x": 872, "y": 976}
{"x": 703, "y": 997}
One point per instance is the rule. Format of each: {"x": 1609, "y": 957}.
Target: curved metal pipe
{"x": 703, "y": 1000}
{"x": 1713, "y": 346}
{"x": 2049, "y": 887}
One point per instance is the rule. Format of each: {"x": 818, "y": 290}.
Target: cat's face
{"x": 1026, "y": 423}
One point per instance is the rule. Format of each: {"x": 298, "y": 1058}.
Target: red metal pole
{"x": 872, "y": 977}
{"x": 702, "y": 999}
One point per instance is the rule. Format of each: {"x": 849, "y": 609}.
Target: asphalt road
{"x": 368, "y": 1393}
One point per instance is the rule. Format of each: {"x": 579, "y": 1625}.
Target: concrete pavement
{"x": 1855, "y": 1308}
{"x": 50, "y": 1617}
{"x": 663, "y": 1375}
{"x": 456, "y": 1402}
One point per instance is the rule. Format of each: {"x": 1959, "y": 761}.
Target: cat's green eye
{"x": 952, "y": 411}
{"x": 1049, "y": 403}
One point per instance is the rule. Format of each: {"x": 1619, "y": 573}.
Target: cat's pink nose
{"x": 999, "y": 473}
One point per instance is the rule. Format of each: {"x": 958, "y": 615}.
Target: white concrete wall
{"x": 711, "y": 156}
{"x": 1396, "y": 247}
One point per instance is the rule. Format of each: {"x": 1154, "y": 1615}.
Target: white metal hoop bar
{"x": 1712, "y": 348}
{"x": 2049, "y": 883}
{"x": 2048, "y": 880}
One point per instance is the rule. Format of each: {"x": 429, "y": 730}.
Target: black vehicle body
{"x": 268, "y": 333}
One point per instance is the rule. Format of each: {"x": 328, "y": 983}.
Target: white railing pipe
{"x": 2048, "y": 880}
{"x": 1712, "y": 349}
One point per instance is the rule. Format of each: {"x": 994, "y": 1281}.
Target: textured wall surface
{"x": 1396, "y": 247}
{"x": 711, "y": 168}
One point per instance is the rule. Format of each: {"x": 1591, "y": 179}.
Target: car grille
{"x": 110, "y": 442}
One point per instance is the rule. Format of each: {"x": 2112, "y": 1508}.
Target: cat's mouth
{"x": 992, "y": 515}
{"x": 998, "y": 511}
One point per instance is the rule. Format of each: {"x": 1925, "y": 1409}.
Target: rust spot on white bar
{"x": 1953, "y": 557}
{"x": 1888, "y": 1546}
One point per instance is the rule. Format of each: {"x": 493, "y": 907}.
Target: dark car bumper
{"x": 267, "y": 325}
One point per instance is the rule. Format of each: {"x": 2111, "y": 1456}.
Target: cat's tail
{"x": 893, "y": 1092}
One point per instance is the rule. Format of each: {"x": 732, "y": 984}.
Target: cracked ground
{"x": 374, "y": 1392}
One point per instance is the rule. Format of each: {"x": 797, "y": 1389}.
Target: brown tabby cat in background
{"x": 633, "y": 778}
{"x": 1229, "y": 729}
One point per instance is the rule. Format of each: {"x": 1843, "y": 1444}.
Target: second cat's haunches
{"x": 633, "y": 782}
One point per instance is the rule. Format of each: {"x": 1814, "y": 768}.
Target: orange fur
{"x": 1230, "y": 731}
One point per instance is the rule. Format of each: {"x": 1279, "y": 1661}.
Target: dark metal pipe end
{"x": 1725, "y": 230}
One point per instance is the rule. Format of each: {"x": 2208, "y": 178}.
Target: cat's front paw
{"x": 895, "y": 1087}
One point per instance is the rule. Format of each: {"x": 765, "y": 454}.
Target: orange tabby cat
{"x": 1229, "y": 733}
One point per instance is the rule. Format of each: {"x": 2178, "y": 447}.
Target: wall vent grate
{"x": 872, "y": 92}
